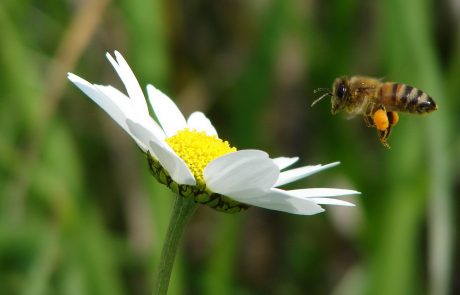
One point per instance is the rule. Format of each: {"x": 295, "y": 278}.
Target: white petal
{"x": 175, "y": 166}
{"x": 247, "y": 194}
{"x": 200, "y": 122}
{"x": 279, "y": 200}
{"x": 320, "y": 195}
{"x": 168, "y": 114}
{"x": 121, "y": 99}
{"x": 284, "y": 162}
{"x": 301, "y": 172}
{"x": 116, "y": 107}
{"x": 118, "y": 110}
{"x": 129, "y": 80}
{"x": 329, "y": 201}
{"x": 322, "y": 192}
{"x": 143, "y": 134}
{"x": 241, "y": 171}
{"x": 116, "y": 95}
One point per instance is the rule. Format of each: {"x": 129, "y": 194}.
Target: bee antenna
{"x": 320, "y": 89}
{"x": 322, "y": 96}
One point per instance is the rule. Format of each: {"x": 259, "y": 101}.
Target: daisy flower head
{"x": 187, "y": 155}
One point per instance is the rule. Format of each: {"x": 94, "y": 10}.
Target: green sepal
{"x": 198, "y": 193}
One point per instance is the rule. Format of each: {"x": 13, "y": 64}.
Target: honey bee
{"x": 377, "y": 101}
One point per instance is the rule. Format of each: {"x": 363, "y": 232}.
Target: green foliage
{"x": 80, "y": 213}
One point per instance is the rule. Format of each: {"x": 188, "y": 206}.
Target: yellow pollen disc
{"x": 197, "y": 149}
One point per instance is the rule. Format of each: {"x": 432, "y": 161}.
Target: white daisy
{"x": 188, "y": 156}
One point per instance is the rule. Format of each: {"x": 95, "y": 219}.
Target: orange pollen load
{"x": 395, "y": 118}
{"x": 381, "y": 120}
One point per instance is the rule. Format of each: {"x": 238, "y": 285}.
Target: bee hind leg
{"x": 383, "y": 121}
{"x": 369, "y": 121}
{"x": 369, "y": 115}
{"x": 384, "y": 135}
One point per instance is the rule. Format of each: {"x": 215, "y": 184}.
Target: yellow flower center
{"x": 197, "y": 149}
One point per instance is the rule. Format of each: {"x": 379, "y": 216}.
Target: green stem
{"x": 182, "y": 211}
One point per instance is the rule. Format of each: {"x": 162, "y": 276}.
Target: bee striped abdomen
{"x": 379, "y": 102}
{"x": 405, "y": 98}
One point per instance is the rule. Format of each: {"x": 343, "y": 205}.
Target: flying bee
{"x": 377, "y": 101}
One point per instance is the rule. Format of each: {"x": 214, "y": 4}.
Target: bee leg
{"x": 368, "y": 120}
{"x": 393, "y": 119}
{"x": 384, "y": 135}
{"x": 383, "y": 122}
{"x": 369, "y": 114}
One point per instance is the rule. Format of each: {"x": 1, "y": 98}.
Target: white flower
{"x": 187, "y": 155}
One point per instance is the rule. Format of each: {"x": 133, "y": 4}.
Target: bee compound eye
{"x": 341, "y": 91}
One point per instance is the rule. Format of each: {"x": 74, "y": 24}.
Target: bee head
{"x": 340, "y": 94}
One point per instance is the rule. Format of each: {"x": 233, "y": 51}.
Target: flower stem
{"x": 182, "y": 211}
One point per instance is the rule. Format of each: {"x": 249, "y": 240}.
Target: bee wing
{"x": 350, "y": 116}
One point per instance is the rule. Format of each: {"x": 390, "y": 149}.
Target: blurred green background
{"x": 80, "y": 213}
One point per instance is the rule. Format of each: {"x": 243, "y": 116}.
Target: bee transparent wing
{"x": 350, "y": 116}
